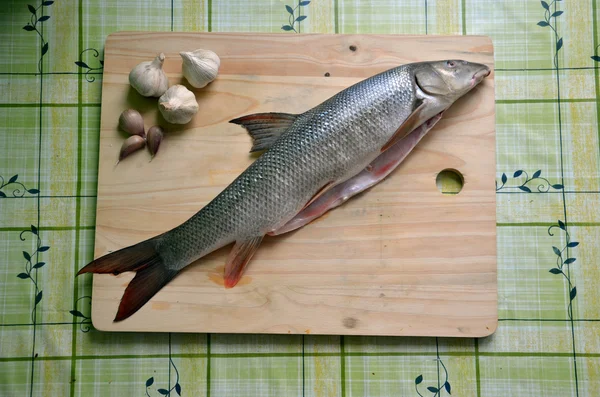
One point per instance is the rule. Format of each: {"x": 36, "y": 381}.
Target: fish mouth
{"x": 480, "y": 75}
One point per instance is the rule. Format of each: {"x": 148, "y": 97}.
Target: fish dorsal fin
{"x": 265, "y": 128}
{"x": 240, "y": 255}
{"x": 409, "y": 125}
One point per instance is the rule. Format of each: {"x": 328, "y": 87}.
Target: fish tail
{"x": 151, "y": 274}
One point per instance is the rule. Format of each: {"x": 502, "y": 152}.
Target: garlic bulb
{"x": 148, "y": 78}
{"x": 178, "y": 105}
{"x": 200, "y": 67}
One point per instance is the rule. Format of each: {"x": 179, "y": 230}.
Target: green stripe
{"x": 342, "y": 366}
{"x": 39, "y": 358}
{"x": 464, "y": 16}
{"x": 546, "y": 224}
{"x": 566, "y": 100}
{"x": 36, "y": 324}
{"x": 477, "y": 371}
{"x": 426, "y": 19}
{"x": 49, "y": 105}
{"x": 303, "y": 368}
{"x": 336, "y": 22}
{"x": 207, "y": 365}
{"x": 596, "y": 76}
{"x": 47, "y": 228}
{"x": 77, "y": 203}
{"x": 536, "y": 354}
{"x": 209, "y": 11}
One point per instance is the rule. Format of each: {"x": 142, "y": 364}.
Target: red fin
{"x": 129, "y": 259}
{"x": 151, "y": 276}
{"x": 146, "y": 283}
{"x": 238, "y": 258}
{"x": 412, "y": 122}
{"x": 265, "y": 128}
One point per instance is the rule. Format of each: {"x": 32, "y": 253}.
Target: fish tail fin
{"x": 151, "y": 274}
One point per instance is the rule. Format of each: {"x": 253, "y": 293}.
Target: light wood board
{"x": 401, "y": 259}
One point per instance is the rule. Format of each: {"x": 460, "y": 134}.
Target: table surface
{"x": 548, "y": 180}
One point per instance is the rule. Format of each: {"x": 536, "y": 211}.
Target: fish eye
{"x": 450, "y": 64}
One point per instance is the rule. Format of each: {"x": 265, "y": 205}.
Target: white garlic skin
{"x": 178, "y": 105}
{"x": 200, "y": 67}
{"x": 148, "y": 78}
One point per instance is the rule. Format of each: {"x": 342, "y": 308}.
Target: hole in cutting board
{"x": 449, "y": 181}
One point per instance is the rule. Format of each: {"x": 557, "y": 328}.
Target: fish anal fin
{"x": 146, "y": 283}
{"x": 410, "y": 124}
{"x": 265, "y": 128}
{"x": 238, "y": 258}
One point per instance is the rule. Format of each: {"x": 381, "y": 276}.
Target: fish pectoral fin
{"x": 265, "y": 128}
{"x": 240, "y": 255}
{"x": 410, "y": 124}
{"x": 318, "y": 194}
{"x": 374, "y": 173}
{"x": 301, "y": 217}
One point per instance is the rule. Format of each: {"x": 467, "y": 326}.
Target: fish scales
{"x": 322, "y": 145}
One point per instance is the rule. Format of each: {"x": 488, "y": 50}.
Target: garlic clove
{"x": 148, "y": 78}
{"x": 131, "y": 144}
{"x": 155, "y": 136}
{"x": 200, "y": 67}
{"x": 178, "y": 105}
{"x": 131, "y": 122}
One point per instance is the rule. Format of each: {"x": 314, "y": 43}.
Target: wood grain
{"x": 402, "y": 259}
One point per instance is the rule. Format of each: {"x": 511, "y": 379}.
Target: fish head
{"x": 450, "y": 79}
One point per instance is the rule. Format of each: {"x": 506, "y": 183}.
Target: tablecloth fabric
{"x": 548, "y": 340}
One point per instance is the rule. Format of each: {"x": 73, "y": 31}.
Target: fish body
{"x": 313, "y": 162}
{"x": 327, "y": 144}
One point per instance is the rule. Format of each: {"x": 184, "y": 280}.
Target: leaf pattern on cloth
{"x": 14, "y": 188}
{"x": 435, "y": 390}
{"x": 294, "y": 18}
{"x": 175, "y": 390}
{"x": 89, "y": 70}
{"x": 30, "y": 272}
{"x": 34, "y": 26}
{"x": 542, "y": 185}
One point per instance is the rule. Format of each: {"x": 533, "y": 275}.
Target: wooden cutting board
{"x": 401, "y": 259}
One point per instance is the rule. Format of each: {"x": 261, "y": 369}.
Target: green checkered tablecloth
{"x": 548, "y": 185}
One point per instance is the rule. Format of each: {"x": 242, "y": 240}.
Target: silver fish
{"x": 312, "y": 162}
